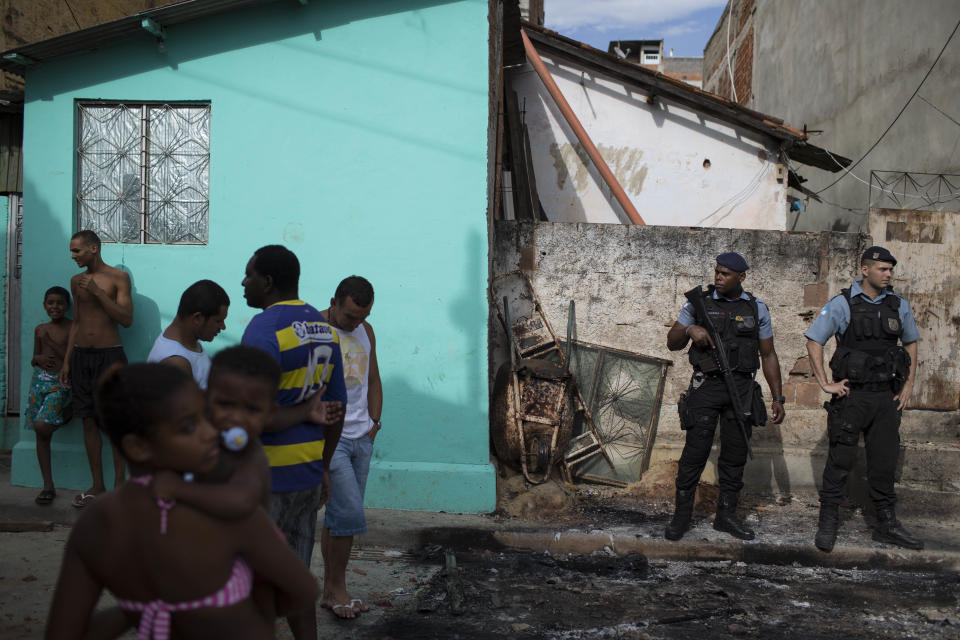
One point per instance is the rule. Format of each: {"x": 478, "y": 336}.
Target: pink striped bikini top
{"x": 155, "y": 615}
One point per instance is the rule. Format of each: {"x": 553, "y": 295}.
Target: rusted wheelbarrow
{"x": 533, "y": 411}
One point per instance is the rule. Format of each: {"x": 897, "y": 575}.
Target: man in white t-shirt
{"x": 200, "y": 316}
{"x": 344, "y": 517}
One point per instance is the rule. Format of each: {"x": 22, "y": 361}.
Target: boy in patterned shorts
{"x": 48, "y": 400}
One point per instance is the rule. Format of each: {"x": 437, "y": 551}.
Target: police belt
{"x": 717, "y": 374}
{"x": 871, "y": 386}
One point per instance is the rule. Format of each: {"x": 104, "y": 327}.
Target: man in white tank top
{"x": 200, "y": 316}
{"x": 344, "y": 517}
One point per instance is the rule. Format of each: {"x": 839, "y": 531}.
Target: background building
{"x": 846, "y": 70}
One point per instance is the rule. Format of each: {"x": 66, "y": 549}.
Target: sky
{"x": 684, "y": 25}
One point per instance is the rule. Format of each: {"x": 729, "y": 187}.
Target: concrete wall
{"x": 848, "y": 68}
{"x": 628, "y": 284}
{"x": 677, "y": 166}
{"x": 354, "y": 133}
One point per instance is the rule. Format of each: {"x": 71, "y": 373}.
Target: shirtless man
{"x": 102, "y": 301}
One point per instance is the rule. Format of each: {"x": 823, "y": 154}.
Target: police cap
{"x": 879, "y": 254}
{"x": 732, "y": 260}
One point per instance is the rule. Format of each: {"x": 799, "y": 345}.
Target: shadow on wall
{"x": 774, "y": 472}
{"x": 260, "y": 27}
{"x": 431, "y": 429}
{"x": 138, "y": 338}
{"x": 440, "y": 425}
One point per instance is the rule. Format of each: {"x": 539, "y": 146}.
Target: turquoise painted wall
{"x": 355, "y": 134}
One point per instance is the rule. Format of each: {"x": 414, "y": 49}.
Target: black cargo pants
{"x": 707, "y": 403}
{"x": 873, "y": 413}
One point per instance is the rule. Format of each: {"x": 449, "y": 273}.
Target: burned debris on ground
{"x": 530, "y": 596}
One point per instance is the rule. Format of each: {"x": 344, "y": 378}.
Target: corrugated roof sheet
{"x": 660, "y": 85}
{"x": 93, "y": 37}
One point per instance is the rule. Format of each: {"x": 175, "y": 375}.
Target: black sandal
{"x": 45, "y": 497}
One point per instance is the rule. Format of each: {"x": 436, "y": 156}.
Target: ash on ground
{"x": 527, "y": 596}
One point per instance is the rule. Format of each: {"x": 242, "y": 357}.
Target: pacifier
{"x": 235, "y": 438}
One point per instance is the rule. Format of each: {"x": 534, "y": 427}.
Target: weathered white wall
{"x": 628, "y": 284}
{"x": 656, "y": 151}
{"x": 923, "y": 242}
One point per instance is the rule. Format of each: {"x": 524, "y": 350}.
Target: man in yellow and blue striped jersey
{"x": 302, "y": 435}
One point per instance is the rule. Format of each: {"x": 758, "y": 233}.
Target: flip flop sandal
{"x": 83, "y": 499}
{"x": 334, "y": 608}
{"x": 45, "y": 497}
{"x": 363, "y": 605}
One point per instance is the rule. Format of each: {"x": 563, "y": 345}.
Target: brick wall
{"x": 716, "y": 74}
{"x": 743, "y": 71}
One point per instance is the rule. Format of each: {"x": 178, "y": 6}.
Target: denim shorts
{"x": 295, "y": 514}
{"x": 348, "y": 482}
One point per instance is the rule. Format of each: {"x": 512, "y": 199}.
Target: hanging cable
{"x": 733, "y": 88}
{"x": 72, "y": 14}
{"x": 942, "y": 112}
{"x": 887, "y": 130}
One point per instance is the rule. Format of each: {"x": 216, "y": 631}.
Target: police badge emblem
{"x": 893, "y": 324}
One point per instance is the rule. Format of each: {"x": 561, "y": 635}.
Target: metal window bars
{"x": 143, "y": 172}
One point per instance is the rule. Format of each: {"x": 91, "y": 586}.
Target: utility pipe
{"x": 579, "y": 131}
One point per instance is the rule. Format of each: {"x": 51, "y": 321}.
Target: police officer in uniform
{"x": 743, "y": 323}
{"x": 873, "y": 379}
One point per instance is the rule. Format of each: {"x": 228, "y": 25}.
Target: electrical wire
{"x": 887, "y": 130}
{"x": 790, "y": 168}
{"x": 72, "y": 14}
{"x": 733, "y": 88}
{"x": 942, "y": 112}
{"x": 736, "y": 199}
{"x": 891, "y": 191}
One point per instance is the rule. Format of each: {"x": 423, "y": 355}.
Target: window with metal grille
{"x": 143, "y": 172}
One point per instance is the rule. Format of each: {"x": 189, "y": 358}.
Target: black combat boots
{"x": 890, "y": 530}
{"x": 682, "y": 515}
{"x": 727, "y": 520}
{"x": 827, "y": 529}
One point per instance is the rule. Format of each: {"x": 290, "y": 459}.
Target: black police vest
{"x": 873, "y": 328}
{"x": 867, "y": 351}
{"x": 738, "y": 324}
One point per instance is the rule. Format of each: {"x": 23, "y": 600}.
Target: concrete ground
{"x": 398, "y": 568}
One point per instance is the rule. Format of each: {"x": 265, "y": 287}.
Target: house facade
{"x": 353, "y": 133}
{"x": 681, "y": 155}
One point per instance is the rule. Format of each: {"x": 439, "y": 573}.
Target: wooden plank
{"x": 523, "y": 207}
{"x": 23, "y": 526}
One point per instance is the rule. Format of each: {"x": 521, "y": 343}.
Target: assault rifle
{"x": 695, "y": 296}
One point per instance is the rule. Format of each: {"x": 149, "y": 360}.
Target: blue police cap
{"x": 879, "y": 254}
{"x": 732, "y": 260}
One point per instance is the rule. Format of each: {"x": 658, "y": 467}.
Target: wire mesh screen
{"x": 623, "y": 392}
{"x": 914, "y": 191}
{"x": 144, "y": 172}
